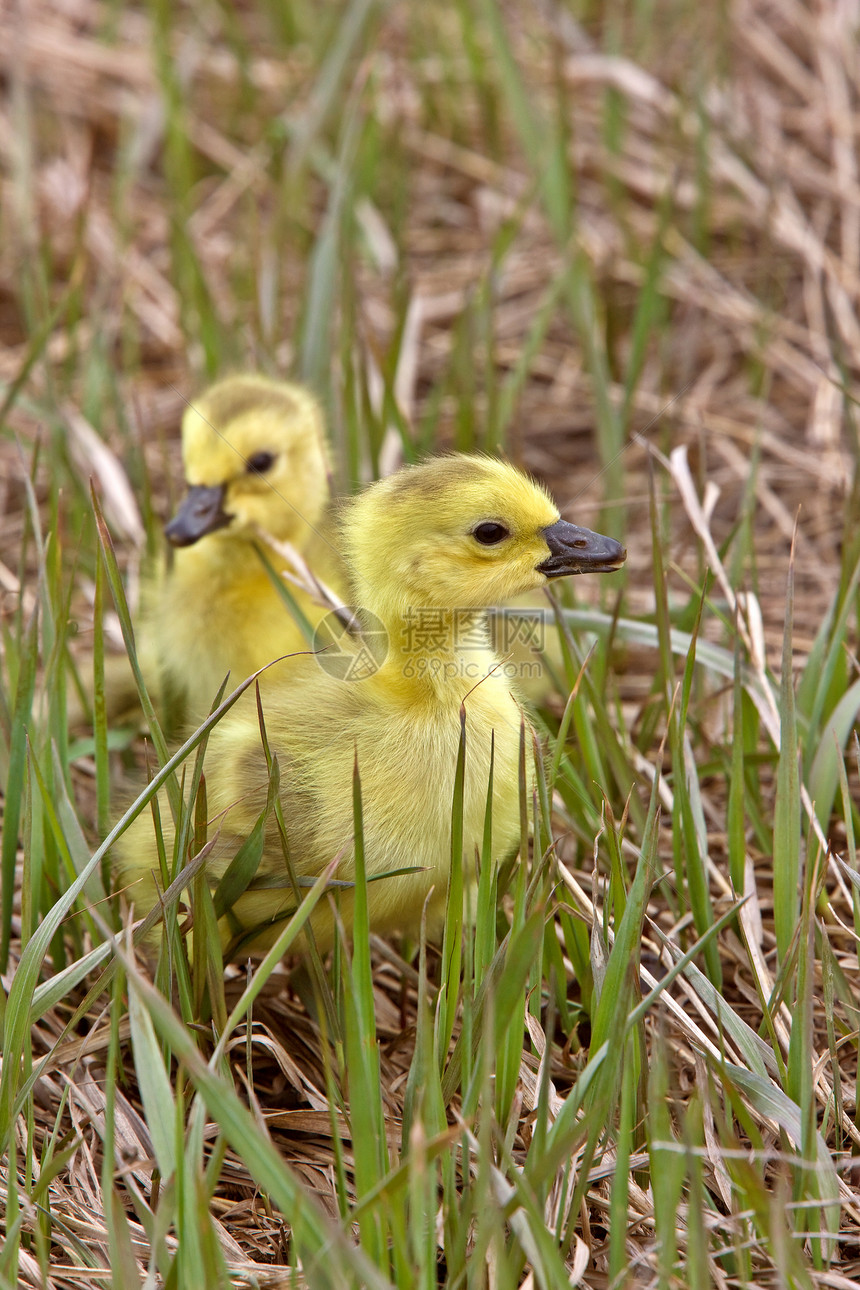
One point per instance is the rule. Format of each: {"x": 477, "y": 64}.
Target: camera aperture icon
{"x": 350, "y": 644}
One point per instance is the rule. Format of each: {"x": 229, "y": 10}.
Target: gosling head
{"x": 254, "y": 456}
{"x": 463, "y": 531}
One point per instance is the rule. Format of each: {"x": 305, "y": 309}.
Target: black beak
{"x": 202, "y": 511}
{"x": 576, "y": 550}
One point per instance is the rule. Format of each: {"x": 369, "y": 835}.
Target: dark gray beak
{"x": 576, "y": 550}
{"x": 202, "y": 511}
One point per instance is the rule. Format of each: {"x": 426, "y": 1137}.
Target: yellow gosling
{"x": 256, "y": 467}
{"x": 427, "y": 551}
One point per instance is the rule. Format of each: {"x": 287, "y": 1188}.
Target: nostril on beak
{"x": 577, "y": 550}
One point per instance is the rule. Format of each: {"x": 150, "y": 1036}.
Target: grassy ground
{"x": 623, "y": 244}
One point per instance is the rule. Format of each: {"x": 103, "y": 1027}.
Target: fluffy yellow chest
{"x": 407, "y": 757}
{"x": 408, "y": 762}
{"x": 222, "y": 616}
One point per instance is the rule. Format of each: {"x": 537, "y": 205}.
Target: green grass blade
{"x": 786, "y": 824}
{"x": 367, "y": 1118}
{"x": 155, "y": 1086}
{"x": 824, "y": 772}
{"x": 452, "y": 944}
{"x": 14, "y": 787}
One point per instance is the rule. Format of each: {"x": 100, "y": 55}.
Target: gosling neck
{"x": 230, "y": 553}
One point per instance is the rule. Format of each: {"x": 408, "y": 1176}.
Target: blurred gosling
{"x": 256, "y": 466}
{"x": 427, "y": 550}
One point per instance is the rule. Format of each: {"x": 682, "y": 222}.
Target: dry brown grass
{"x": 736, "y": 157}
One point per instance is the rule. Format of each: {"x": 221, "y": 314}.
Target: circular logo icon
{"x": 350, "y": 644}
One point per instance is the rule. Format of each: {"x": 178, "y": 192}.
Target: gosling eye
{"x": 490, "y": 533}
{"x": 260, "y": 463}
